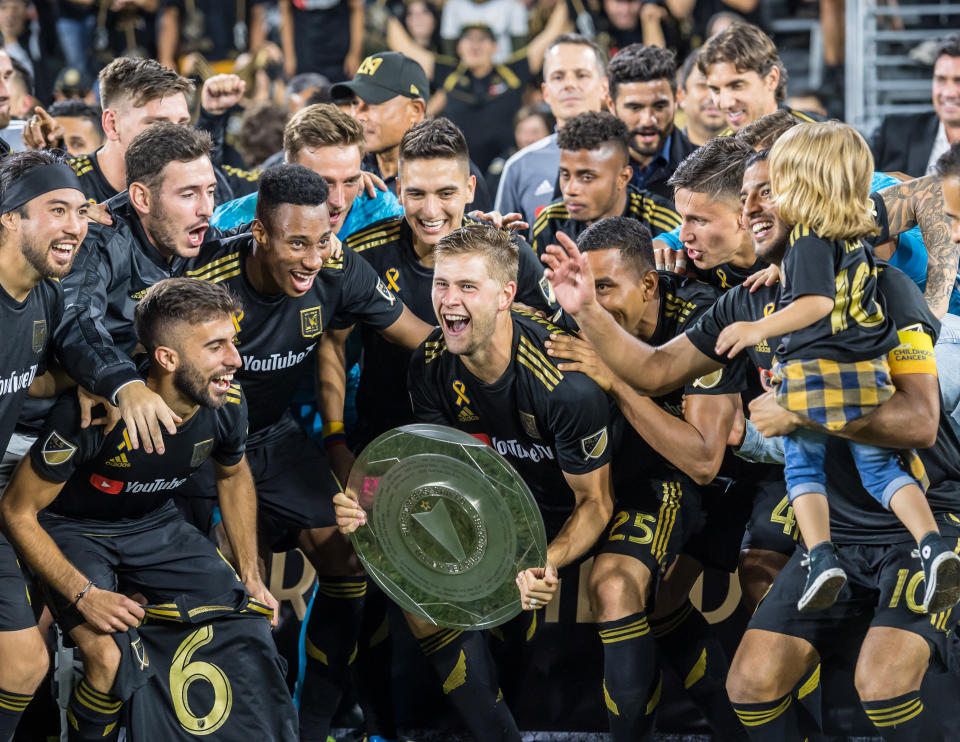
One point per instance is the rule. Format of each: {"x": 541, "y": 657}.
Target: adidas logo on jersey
{"x": 119, "y": 461}
{"x": 544, "y": 188}
{"x": 762, "y": 347}
{"x": 466, "y": 416}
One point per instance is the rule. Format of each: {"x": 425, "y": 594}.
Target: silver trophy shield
{"x": 450, "y": 524}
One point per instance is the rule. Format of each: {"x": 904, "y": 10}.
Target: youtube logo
{"x": 110, "y": 486}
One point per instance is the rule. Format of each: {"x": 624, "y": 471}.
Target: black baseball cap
{"x": 477, "y": 26}
{"x": 384, "y": 76}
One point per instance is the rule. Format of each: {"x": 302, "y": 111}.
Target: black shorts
{"x": 884, "y": 588}
{"x": 16, "y": 612}
{"x": 654, "y": 521}
{"x": 726, "y": 508}
{"x": 295, "y": 489}
{"x": 772, "y": 526}
{"x": 160, "y": 555}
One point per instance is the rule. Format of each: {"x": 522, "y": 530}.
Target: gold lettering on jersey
{"x": 709, "y": 381}
{"x": 310, "y": 322}
{"x": 125, "y": 444}
{"x": 529, "y": 423}
{"x": 39, "y": 335}
{"x": 466, "y": 415}
{"x": 461, "y": 389}
{"x": 57, "y": 450}
{"x": 594, "y": 446}
{"x": 119, "y": 461}
{"x": 201, "y": 452}
{"x": 369, "y": 66}
{"x": 138, "y": 295}
{"x": 392, "y": 275}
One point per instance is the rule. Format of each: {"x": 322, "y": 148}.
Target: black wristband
{"x": 82, "y": 593}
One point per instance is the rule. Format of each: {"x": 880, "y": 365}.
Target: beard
{"x": 38, "y": 258}
{"x": 196, "y": 387}
{"x": 162, "y": 235}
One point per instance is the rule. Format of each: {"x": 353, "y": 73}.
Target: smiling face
{"x": 759, "y": 216}
{"x": 179, "y": 209}
{"x": 647, "y": 108}
{"x": 51, "y": 230}
{"x": 207, "y": 359}
{"x": 593, "y": 182}
{"x": 467, "y": 301}
{"x": 946, "y": 89}
{"x": 340, "y": 167}
{"x": 434, "y": 194}
{"x": 743, "y": 97}
{"x": 697, "y": 102}
{"x": 710, "y": 230}
{"x": 619, "y": 288}
{"x": 572, "y": 81}
{"x": 292, "y": 248}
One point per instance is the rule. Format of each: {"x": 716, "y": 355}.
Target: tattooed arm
{"x": 920, "y": 201}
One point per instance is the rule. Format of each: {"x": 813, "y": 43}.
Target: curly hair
{"x": 288, "y": 184}
{"x": 640, "y": 63}
{"x": 593, "y": 129}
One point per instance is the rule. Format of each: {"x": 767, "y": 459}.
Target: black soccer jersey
{"x": 382, "y": 399}
{"x": 843, "y": 270}
{"x": 855, "y": 517}
{"x": 94, "y": 183}
{"x": 277, "y": 334}
{"x": 27, "y": 331}
{"x": 682, "y": 302}
{"x": 543, "y": 421}
{"x": 654, "y": 211}
{"x": 106, "y": 479}
{"x": 727, "y": 275}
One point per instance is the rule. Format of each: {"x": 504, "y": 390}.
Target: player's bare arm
{"x": 28, "y": 494}
{"x": 331, "y": 393}
{"x": 920, "y": 202}
{"x": 238, "y": 504}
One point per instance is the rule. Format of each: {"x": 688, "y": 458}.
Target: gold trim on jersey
{"x": 540, "y": 320}
{"x": 669, "y": 507}
{"x": 677, "y": 308}
{"x": 539, "y": 365}
{"x": 248, "y": 175}
{"x": 556, "y": 210}
{"x": 653, "y": 213}
{"x": 433, "y": 349}
{"x": 233, "y": 394}
{"x": 218, "y": 270}
{"x": 81, "y": 165}
{"x": 383, "y": 235}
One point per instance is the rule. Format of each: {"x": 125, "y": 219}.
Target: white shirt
{"x": 940, "y": 145}
{"x": 506, "y": 18}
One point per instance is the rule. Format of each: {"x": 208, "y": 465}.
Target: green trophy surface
{"x": 450, "y": 524}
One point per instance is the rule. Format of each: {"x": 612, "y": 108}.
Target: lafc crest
{"x": 201, "y": 452}
{"x": 594, "y": 446}
{"x": 710, "y": 380}
{"x": 311, "y": 322}
{"x": 385, "y": 292}
{"x": 39, "y": 335}
{"x": 529, "y": 423}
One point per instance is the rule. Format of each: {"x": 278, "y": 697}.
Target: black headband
{"x": 35, "y": 183}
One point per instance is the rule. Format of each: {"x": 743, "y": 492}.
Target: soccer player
{"x": 771, "y": 661}
{"x": 435, "y": 188}
{"x": 676, "y": 443}
{"x": 159, "y": 223}
{"x": 134, "y": 93}
{"x": 484, "y": 371}
{"x": 107, "y": 513}
{"x": 43, "y": 220}
{"x": 329, "y": 142}
{"x": 643, "y": 94}
{"x": 745, "y": 75}
{"x": 594, "y": 179}
{"x": 293, "y": 294}
{"x": 833, "y": 328}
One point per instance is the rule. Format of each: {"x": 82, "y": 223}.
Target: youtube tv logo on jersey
{"x": 110, "y": 486}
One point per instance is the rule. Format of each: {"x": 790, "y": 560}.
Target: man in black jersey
{"x": 293, "y": 293}
{"x": 435, "y": 188}
{"x": 42, "y": 223}
{"x": 159, "y": 223}
{"x": 485, "y": 372}
{"x": 675, "y": 443}
{"x": 594, "y": 180}
{"x": 136, "y": 93}
{"x": 783, "y": 645}
{"x": 108, "y": 521}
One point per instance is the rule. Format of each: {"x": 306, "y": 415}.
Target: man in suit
{"x": 912, "y": 143}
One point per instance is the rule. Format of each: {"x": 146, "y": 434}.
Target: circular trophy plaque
{"x": 450, "y": 524}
